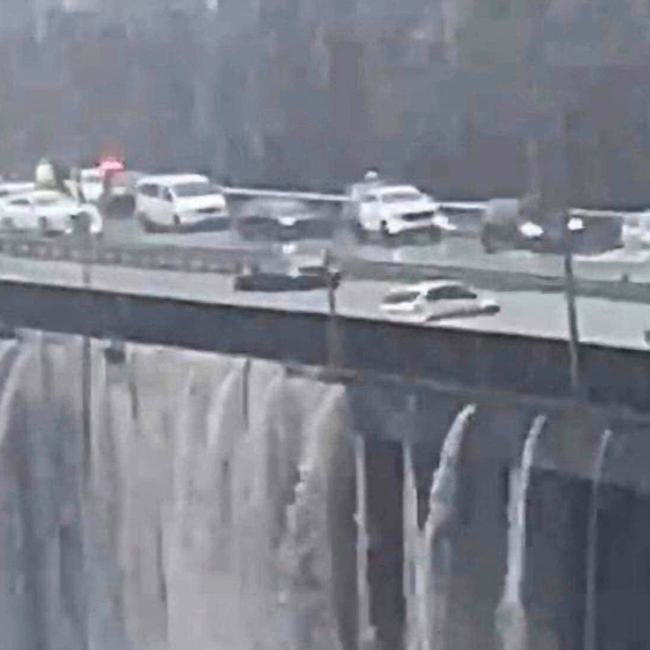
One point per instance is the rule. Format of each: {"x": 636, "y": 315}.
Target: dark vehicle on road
{"x": 587, "y": 232}
{"x": 287, "y": 276}
{"x": 118, "y": 199}
{"x": 283, "y": 220}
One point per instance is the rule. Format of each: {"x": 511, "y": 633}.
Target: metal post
{"x": 570, "y": 294}
{"x": 410, "y": 530}
{"x": 569, "y": 278}
{"x": 591, "y": 605}
{"x": 333, "y": 343}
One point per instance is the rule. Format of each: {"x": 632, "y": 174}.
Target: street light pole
{"x": 332, "y": 342}
{"x": 569, "y": 276}
{"x": 572, "y": 312}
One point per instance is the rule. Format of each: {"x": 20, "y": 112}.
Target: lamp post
{"x": 333, "y": 342}
{"x": 569, "y": 276}
{"x": 542, "y": 202}
{"x": 572, "y": 312}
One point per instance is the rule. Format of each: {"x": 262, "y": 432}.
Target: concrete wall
{"x": 156, "y": 486}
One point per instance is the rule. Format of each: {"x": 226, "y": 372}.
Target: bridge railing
{"x": 230, "y": 259}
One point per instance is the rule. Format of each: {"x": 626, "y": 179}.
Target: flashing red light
{"x": 111, "y": 165}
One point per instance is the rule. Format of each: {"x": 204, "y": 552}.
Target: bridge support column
{"x": 366, "y": 632}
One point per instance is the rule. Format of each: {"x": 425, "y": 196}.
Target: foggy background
{"x": 310, "y": 93}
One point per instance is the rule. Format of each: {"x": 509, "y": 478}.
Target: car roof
{"x": 13, "y": 185}
{"x": 394, "y": 189}
{"x": 429, "y": 285}
{"x": 173, "y": 179}
{"x": 41, "y": 194}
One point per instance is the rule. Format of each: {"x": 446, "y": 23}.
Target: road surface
{"x": 618, "y": 324}
{"x": 451, "y": 251}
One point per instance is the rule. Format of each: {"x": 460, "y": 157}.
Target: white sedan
{"x": 436, "y": 300}
{"x": 49, "y": 212}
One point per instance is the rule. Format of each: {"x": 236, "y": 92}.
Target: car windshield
{"x": 401, "y": 195}
{"x": 401, "y": 297}
{"x": 196, "y": 188}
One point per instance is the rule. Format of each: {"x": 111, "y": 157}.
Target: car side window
{"x": 20, "y": 202}
{"x": 148, "y": 190}
{"x": 451, "y": 293}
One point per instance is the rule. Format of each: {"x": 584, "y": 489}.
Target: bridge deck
{"x": 474, "y": 354}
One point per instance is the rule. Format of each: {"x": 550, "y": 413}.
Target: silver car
{"x": 437, "y": 300}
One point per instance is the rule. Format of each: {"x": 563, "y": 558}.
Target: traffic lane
{"x": 469, "y": 254}
{"x": 457, "y": 252}
{"x": 542, "y": 315}
{"x": 453, "y": 251}
{"x": 127, "y": 232}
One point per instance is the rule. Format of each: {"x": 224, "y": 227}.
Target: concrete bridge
{"x": 358, "y": 483}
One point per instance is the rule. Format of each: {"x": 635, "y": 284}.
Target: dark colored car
{"x": 289, "y": 277}
{"x": 118, "y": 198}
{"x": 283, "y": 220}
{"x": 586, "y": 233}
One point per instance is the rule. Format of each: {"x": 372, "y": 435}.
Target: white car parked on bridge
{"x": 177, "y": 202}
{"x": 49, "y": 212}
{"x": 395, "y": 210}
{"x": 436, "y": 300}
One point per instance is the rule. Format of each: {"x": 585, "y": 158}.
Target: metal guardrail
{"x": 317, "y": 197}
{"x": 158, "y": 257}
{"x": 230, "y": 260}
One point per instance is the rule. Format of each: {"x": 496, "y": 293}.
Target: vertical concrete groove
{"x": 591, "y": 613}
{"x": 511, "y": 620}
{"x": 366, "y": 632}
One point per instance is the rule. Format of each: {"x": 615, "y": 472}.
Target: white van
{"x": 180, "y": 202}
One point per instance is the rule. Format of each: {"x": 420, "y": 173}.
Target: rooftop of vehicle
{"x": 428, "y": 286}
{"x": 173, "y": 179}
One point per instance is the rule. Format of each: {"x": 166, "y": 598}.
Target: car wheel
{"x": 176, "y": 223}
{"x": 145, "y": 224}
{"x": 386, "y": 237}
{"x": 82, "y": 223}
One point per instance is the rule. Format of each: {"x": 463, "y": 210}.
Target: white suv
{"x": 394, "y": 210}
{"x": 180, "y": 202}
